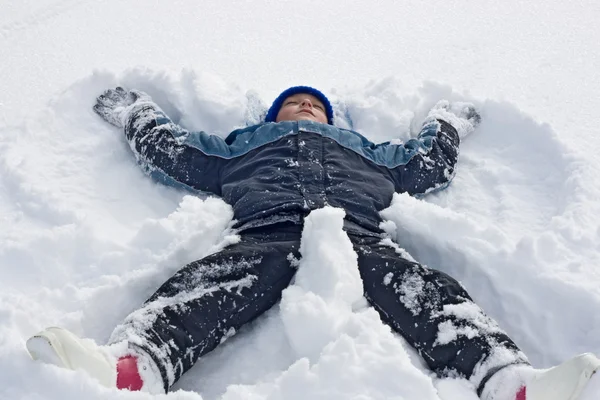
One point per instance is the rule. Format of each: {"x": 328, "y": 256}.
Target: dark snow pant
{"x": 209, "y": 299}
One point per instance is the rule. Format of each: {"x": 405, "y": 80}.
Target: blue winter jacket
{"x": 276, "y": 171}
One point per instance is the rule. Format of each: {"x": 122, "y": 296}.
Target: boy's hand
{"x": 114, "y": 104}
{"x": 462, "y": 116}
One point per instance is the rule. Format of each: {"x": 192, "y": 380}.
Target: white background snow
{"x": 85, "y": 237}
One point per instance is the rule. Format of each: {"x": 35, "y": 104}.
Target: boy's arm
{"x": 161, "y": 146}
{"x": 427, "y": 163}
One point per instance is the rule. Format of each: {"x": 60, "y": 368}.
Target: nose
{"x": 306, "y": 103}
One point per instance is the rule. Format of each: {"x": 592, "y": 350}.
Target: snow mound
{"x": 88, "y": 237}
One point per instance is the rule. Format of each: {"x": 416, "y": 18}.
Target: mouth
{"x": 307, "y": 112}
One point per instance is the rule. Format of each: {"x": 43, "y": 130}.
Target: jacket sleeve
{"x": 168, "y": 152}
{"x": 425, "y": 164}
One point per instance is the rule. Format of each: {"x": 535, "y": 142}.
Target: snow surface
{"x": 85, "y": 237}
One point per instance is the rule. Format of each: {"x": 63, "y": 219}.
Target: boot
{"x": 575, "y": 379}
{"x": 62, "y": 348}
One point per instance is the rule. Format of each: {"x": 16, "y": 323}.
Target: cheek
{"x": 283, "y": 114}
{"x": 323, "y": 118}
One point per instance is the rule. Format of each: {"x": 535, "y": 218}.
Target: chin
{"x": 307, "y": 118}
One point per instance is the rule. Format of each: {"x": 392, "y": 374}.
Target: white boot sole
{"x": 589, "y": 364}
{"x": 44, "y": 347}
{"x": 60, "y": 347}
{"x": 566, "y": 381}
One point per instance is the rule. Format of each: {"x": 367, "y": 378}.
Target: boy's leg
{"x": 209, "y": 299}
{"x": 434, "y": 313}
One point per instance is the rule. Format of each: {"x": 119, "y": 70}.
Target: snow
{"x": 86, "y": 237}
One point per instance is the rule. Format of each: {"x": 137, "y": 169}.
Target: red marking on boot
{"x": 522, "y": 395}
{"x": 128, "y": 375}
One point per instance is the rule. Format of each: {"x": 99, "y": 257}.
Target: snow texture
{"x": 86, "y": 237}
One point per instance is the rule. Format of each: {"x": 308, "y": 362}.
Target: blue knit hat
{"x": 276, "y": 106}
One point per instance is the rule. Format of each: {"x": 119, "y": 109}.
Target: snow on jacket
{"x": 275, "y": 171}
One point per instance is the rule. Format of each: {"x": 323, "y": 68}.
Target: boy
{"x": 273, "y": 174}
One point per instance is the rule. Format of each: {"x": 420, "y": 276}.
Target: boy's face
{"x": 302, "y": 106}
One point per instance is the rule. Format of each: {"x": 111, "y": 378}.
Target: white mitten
{"x": 115, "y": 104}
{"x": 462, "y": 116}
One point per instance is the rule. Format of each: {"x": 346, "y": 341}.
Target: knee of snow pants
{"x": 434, "y": 313}
{"x": 208, "y": 300}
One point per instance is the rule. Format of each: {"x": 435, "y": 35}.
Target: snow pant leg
{"x": 434, "y": 313}
{"x": 208, "y": 300}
